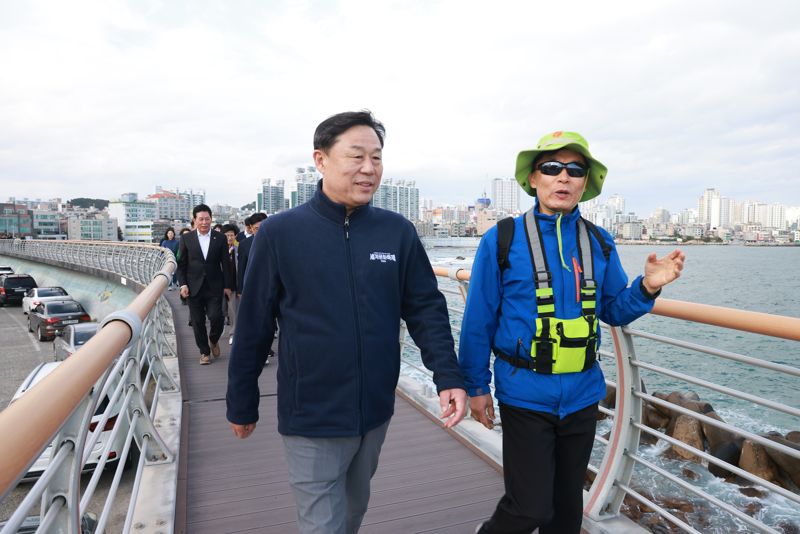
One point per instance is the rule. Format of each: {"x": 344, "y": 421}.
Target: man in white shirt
{"x": 202, "y": 274}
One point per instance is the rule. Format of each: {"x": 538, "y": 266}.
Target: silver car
{"x": 35, "y": 295}
{"x": 104, "y": 434}
{"x": 71, "y": 339}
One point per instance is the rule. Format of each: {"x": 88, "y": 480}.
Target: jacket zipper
{"x": 357, "y": 322}
{"x": 578, "y": 271}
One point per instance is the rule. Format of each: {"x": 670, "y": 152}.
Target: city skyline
{"x": 217, "y": 96}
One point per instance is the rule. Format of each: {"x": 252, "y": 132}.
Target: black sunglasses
{"x": 554, "y": 168}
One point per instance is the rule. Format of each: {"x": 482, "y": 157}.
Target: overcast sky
{"x": 101, "y": 98}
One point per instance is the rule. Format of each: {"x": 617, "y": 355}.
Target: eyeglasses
{"x": 554, "y": 168}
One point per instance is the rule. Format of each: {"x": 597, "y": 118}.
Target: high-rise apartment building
{"x": 708, "y": 207}
{"x": 305, "y": 185}
{"x": 505, "y": 195}
{"x": 272, "y": 196}
{"x": 401, "y": 197}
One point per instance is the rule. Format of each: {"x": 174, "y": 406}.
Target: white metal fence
{"x": 121, "y": 388}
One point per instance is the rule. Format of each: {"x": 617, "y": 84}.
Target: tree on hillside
{"x": 249, "y": 207}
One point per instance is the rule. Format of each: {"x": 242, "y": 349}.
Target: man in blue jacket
{"x": 535, "y": 303}
{"x": 339, "y": 275}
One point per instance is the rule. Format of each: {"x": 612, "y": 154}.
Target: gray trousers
{"x": 330, "y": 479}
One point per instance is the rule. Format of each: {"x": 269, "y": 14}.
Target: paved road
{"x": 20, "y": 352}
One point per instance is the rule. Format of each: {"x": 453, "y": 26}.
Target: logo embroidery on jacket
{"x": 382, "y": 257}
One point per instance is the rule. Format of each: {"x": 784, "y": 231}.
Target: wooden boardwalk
{"x": 426, "y": 481}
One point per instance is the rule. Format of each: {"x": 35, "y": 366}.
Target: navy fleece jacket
{"x": 339, "y": 287}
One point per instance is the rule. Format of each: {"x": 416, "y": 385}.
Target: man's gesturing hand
{"x": 454, "y": 406}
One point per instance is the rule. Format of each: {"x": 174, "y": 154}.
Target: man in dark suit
{"x": 202, "y": 274}
{"x": 244, "y": 249}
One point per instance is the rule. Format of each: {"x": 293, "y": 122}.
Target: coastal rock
{"x": 654, "y": 418}
{"x": 610, "y": 401}
{"x": 687, "y": 430}
{"x": 728, "y": 451}
{"x": 663, "y": 409}
{"x": 788, "y": 528}
{"x": 793, "y": 436}
{"x": 754, "y": 459}
{"x": 787, "y": 464}
{"x": 753, "y": 492}
{"x": 714, "y": 435}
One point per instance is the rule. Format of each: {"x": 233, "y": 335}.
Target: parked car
{"x": 38, "y": 467}
{"x": 5, "y": 269}
{"x": 72, "y": 338}
{"x": 47, "y": 319}
{"x": 14, "y": 286}
{"x": 42, "y": 294}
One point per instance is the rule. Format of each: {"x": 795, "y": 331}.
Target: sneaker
{"x": 266, "y": 363}
{"x": 204, "y": 359}
{"x": 215, "y": 350}
{"x": 230, "y": 339}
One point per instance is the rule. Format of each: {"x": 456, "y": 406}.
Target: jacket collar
{"x": 333, "y": 211}
{"x": 569, "y": 218}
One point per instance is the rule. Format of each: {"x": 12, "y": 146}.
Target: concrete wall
{"x": 99, "y": 297}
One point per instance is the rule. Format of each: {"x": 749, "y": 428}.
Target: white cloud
{"x": 98, "y": 98}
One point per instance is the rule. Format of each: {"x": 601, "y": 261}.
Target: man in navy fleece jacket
{"x": 339, "y": 275}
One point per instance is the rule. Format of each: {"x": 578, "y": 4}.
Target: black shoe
{"x": 190, "y": 322}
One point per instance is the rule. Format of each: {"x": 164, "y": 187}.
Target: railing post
{"x": 605, "y": 497}
{"x": 65, "y": 482}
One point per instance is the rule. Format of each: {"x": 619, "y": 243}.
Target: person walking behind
{"x": 202, "y": 273}
{"x": 539, "y": 287}
{"x": 244, "y": 252}
{"x": 244, "y": 234}
{"x": 339, "y": 275}
{"x": 231, "y": 302}
{"x": 171, "y": 242}
{"x": 183, "y": 231}
{"x": 244, "y": 248}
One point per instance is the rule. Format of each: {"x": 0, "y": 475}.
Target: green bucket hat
{"x": 556, "y": 141}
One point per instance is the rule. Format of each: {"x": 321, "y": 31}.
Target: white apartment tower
{"x": 401, "y": 196}
{"x": 272, "y": 196}
{"x": 305, "y": 185}
{"x": 505, "y": 195}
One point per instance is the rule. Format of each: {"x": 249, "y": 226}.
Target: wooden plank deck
{"x": 426, "y": 481}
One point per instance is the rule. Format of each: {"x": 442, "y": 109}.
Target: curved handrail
{"x": 744, "y": 320}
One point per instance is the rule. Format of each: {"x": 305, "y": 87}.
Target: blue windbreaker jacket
{"x": 486, "y": 326}
{"x": 338, "y": 287}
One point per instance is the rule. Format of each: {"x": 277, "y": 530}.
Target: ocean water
{"x": 762, "y": 279}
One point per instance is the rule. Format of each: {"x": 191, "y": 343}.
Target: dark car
{"x": 13, "y": 287}
{"x": 47, "y": 319}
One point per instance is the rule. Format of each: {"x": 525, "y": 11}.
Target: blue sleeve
{"x": 622, "y": 304}
{"x": 424, "y": 309}
{"x": 254, "y": 331}
{"x": 480, "y": 317}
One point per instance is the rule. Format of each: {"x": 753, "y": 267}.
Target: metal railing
{"x": 625, "y": 472}
{"x": 122, "y": 386}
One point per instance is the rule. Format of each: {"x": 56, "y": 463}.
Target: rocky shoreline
{"x": 774, "y": 466}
